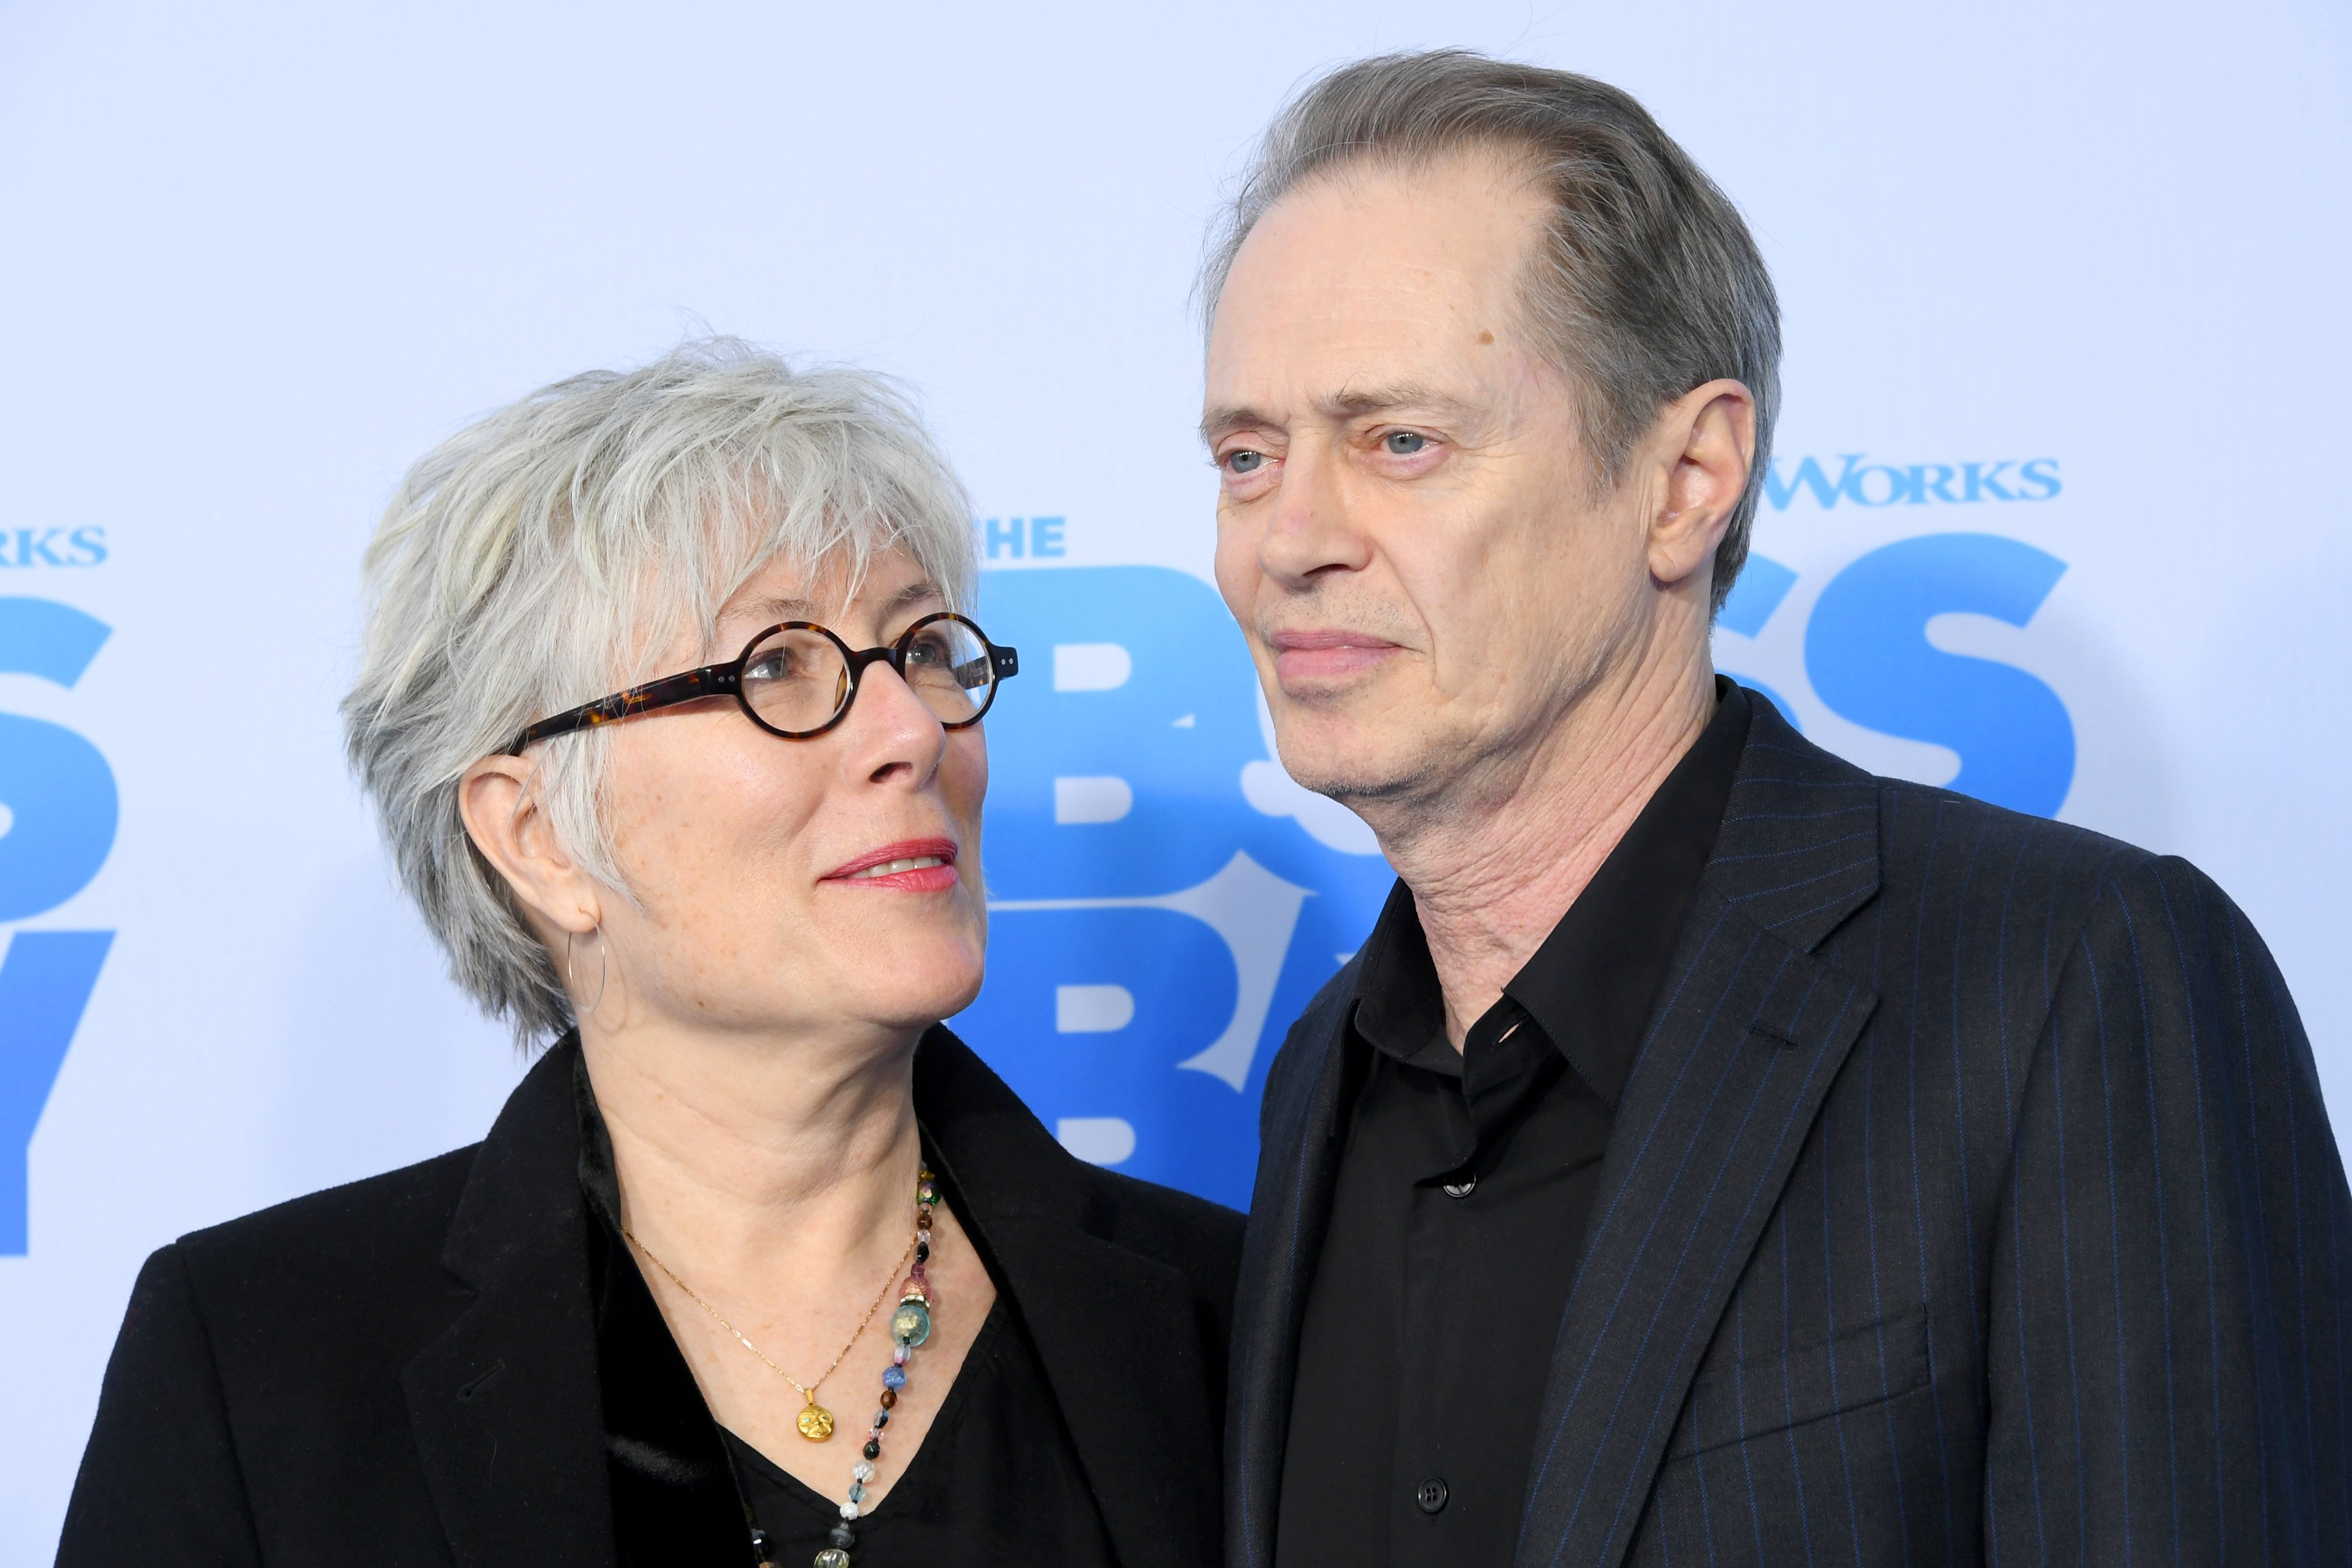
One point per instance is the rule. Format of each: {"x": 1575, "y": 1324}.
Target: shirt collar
{"x": 1400, "y": 1007}
{"x": 1591, "y": 986}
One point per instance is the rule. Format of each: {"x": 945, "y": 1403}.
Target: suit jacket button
{"x": 1430, "y": 1496}
{"x": 1464, "y": 1187}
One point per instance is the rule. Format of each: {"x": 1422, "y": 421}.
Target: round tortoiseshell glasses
{"x": 797, "y": 680}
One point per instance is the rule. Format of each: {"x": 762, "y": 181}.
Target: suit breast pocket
{"x": 1761, "y": 1395}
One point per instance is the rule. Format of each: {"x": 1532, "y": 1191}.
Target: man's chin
{"x": 1354, "y": 777}
{"x": 1335, "y": 753}
{"x": 1355, "y": 750}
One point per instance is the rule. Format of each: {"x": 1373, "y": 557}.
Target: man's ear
{"x": 499, "y": 799}
{"x": 1706, "y": 442}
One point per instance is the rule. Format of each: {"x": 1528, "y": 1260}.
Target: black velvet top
{"x": 997, "y": 1478}
{"x": 452, "y": 1362}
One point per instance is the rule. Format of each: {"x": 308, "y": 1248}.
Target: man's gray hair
{"x": 553, "y": 552}
{"x": 1648, "y": 284}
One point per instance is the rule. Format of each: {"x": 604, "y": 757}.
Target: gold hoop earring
{"x": 602, "y": 970}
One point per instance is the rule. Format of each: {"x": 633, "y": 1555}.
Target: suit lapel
{"x": 1297, "y": 1169}
{"x": 1087, "y": 1304}
{"x": 504, "y": 1404}
{"x": 1745, "y": 1046}
{"x": 1129, "y": 1409}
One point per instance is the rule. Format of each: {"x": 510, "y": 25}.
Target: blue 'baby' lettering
{"x": 62, "y": 810}
{"x": 44, "y": 981}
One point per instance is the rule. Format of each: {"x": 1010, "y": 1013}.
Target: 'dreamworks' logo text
{"x": 27, "y": 547}
{"x": 1846, "y": 478}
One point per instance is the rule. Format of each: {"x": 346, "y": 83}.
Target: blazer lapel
{"x": 1751, "y": 1033}
{"x": 1299, "y": 1165}
{"x": 504, "y": 1404}
{"x": 1087, "y": 1304}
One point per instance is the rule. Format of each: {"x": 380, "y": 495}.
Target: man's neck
{"x": 1494, "y": 868}
{"x": 755, "y": 1158}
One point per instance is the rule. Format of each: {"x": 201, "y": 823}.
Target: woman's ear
{"x": 499, "y": 799}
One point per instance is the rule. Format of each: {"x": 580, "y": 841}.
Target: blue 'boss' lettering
{"x": 1868, "y": 657}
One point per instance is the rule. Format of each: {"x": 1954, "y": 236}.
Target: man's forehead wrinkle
{"x": 1217, "y": 421}
{"x": 1351, "y": 402}
{"x": 1344, "y": 407}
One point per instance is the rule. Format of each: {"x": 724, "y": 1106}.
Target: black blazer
{"x": 404, "y": 1371}
{"x": 1972, "y": 1200}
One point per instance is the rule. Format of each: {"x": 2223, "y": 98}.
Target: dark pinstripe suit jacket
{"x": 1972, "y": 1200}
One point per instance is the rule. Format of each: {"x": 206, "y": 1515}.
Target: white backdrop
{"x": 254, "y": 259}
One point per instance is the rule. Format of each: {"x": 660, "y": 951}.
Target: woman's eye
{"x": 1403, "y": 443}
{"x": 1245, "y": 461}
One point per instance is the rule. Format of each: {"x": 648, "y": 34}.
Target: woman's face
{"x": 799, "y": 884}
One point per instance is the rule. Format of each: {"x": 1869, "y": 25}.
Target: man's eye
{"x": 1245, "y": 461}
{"x": 1403, "y": 443}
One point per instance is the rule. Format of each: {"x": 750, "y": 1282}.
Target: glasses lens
{"x": 949, "y": 668}
{"x": 796, "y": 681}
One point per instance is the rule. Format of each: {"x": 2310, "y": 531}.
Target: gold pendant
{"x": 817, "y": 1421}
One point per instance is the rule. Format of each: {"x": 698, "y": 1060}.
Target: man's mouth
{"x": 1308, "y": 656}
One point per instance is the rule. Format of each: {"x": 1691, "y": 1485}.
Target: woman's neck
{"x": 769, "y": 1188}
{"x": 753, "y": 1160}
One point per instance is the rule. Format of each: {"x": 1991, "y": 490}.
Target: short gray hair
{"x": 547, "y": 554}
{"x": 1648, "y": 284}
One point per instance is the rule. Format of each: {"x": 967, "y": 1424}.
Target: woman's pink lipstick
{"x": 910, "y": 866}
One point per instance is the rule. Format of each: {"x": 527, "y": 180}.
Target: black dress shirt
{"x": 1462, "y": 1201}
{"x": 997, "y": 1478}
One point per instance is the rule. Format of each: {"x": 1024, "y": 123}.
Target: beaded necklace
{"x": 910, "y": 1325}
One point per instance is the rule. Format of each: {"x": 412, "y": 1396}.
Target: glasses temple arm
{"x": 710, "y": 680}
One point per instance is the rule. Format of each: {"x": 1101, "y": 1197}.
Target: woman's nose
{"x": 891, "y": 728}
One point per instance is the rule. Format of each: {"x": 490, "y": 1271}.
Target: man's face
{"x": 1406, "y": 524}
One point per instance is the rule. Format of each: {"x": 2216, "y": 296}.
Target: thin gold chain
{"x": 807, "y": 1390}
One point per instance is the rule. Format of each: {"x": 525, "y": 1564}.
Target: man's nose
{"x": 1311, "y": 529}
